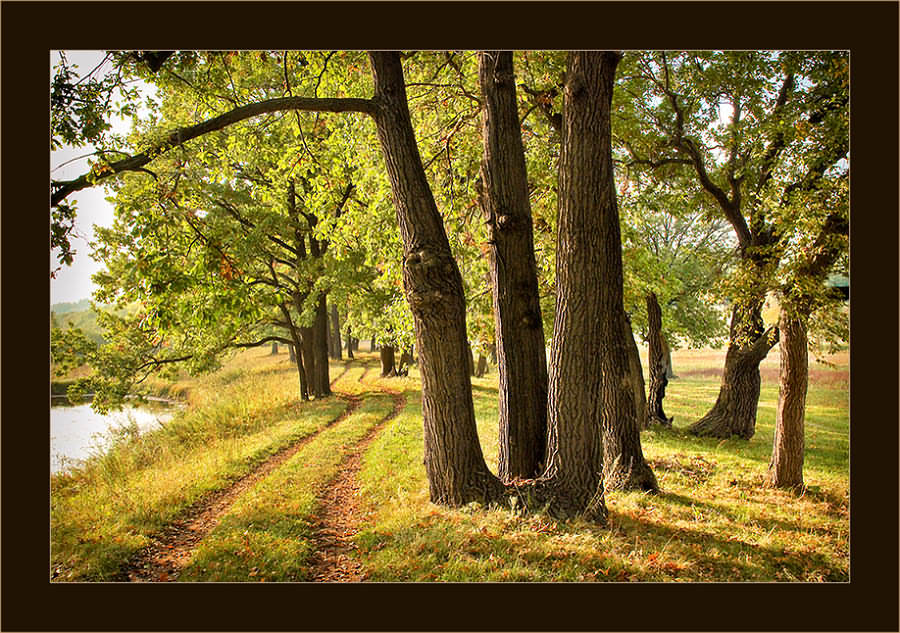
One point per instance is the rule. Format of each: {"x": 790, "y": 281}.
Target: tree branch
{"x": 62, "y": 189}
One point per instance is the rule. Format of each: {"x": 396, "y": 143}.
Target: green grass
{"x": 104, "y": 512}
{"x": 714, "y": 521}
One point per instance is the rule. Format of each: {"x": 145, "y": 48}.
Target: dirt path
{"x": 170, "y": 549}
{"x": 339, "y": 519}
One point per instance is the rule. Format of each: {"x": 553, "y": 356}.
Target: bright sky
{"x": 73, "y": 283}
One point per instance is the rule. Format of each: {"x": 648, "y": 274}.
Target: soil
{"x": 171, "y": 548}
{"x": 339, "y": 517}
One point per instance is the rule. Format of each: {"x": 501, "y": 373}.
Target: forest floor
{"x": 248, "y": 484}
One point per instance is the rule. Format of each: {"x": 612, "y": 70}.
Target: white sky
{"x": 73, "y": 283}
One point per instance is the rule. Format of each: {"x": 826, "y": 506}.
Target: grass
{"x": 714, "y": 521}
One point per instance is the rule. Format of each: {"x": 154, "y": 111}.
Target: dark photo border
{"x": 31, "y": 603}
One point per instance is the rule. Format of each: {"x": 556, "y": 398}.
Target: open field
{"x": 714, "y": 520}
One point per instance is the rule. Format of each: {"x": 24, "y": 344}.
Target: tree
{"x": 519, "y": 330}
{"x": 821, "y": 215}
{"x": 747, "y": 166}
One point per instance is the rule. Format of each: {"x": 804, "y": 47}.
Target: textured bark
{"x": 521, "y": 355}
{"x": 454, "y": 463}
{"x": 636, "y": 376}
{"x": 657, "y": 362}
{"x": 786, "y": 465}
{"x": 589, "y": 304}
{"x": 588, "y": 296}
{"x": 335, "y": 333}
{"x": 734, "y": 413}
{"x": 388, "y": 367}
{"x": 471, "y": 362}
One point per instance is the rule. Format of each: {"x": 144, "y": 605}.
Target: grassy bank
{"x": 714, "y": 521}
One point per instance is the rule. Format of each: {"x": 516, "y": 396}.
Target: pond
{"x": 78, "y": 432}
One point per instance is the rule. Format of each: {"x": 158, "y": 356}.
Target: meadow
{"x": 714, "y": 520}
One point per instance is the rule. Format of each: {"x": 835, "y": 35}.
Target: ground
{"x": 248, "y": 484}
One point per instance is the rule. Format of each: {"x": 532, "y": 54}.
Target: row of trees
{"x": 234, "y": 231}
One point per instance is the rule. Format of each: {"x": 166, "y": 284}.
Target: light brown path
{"x": 170, "y": 549}
{"x": 339, "y": 516}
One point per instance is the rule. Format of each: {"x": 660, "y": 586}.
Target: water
{"x": 77, "y": 432}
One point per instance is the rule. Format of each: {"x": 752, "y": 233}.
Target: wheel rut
{"x": 171, "y": 548}
{"x": 338, "y": 519}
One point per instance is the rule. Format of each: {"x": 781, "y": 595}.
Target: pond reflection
{"x": 77, "y": 431}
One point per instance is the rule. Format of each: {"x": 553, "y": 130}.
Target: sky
{"x": 73, "y": 283}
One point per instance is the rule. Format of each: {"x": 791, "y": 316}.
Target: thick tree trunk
{"x": 454, "y": 463}
{"x": 522, "y": 362}
{"x": 471, "y": 362}
{"x": 657, "y": 362}
{"x": 481, "y": 367}
{"x": 293, "y": 353}
{"x": 335, "y": 333}
{"x": 308, "y": 358}
{"x": 387, "y": 361}
{"x": 589, "y": 297}
{"x": 734, "y": 413}
{"x": 786, "y": 465}
{"x": 636, "y": 376}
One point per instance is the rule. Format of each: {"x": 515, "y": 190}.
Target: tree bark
{"x": 657, "y": 362}
{"x": 786, "y": 465}
{"x": 521, "y": 355}
{"x": 335, "y": 333}
{"x": 471, "y": 362}
{"x": 387, "y": 361}
{"x": 454, "y": 462}
{"x": 734, "y": 413}
{"x": 636, "y": 376}
{"x": 406, "y": 361}
{"x": 293, "y": 353}
{"x": 587, "y": 386}
{"x": 274, "y": 351}
{"x": 349, "y": 344}
{"x": 372, "y": 345}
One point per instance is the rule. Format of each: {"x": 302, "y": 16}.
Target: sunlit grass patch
{"x": 104, "y": 512}
{"x": 264, "y": 535}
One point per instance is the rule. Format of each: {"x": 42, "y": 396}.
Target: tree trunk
{"x": 636, "y": 376}
{"x": 454, "y": 462}
{"x": 657, "y": 362}
{"x": 589, "y": 297}
{"x": 387, "y": 361}
{"x": 406, "y": 361}
{"x": 335, "y": 333}
{"x": 786, "y": 465}
{"x": 321, "y": 382}
{"x": 481, "y": 367}
{"x": 734, "y": 413}
{"x": 522, "y": 362}
{"x": 372, "y": 346}
{"x": 586, "y": 310}
{"x": 293, "y": 353}
{"x": 349, "y": 344}
{"x": 471, "y": 362}
{"x": 274, "y": 351}
{"x": 308, "y": 358}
